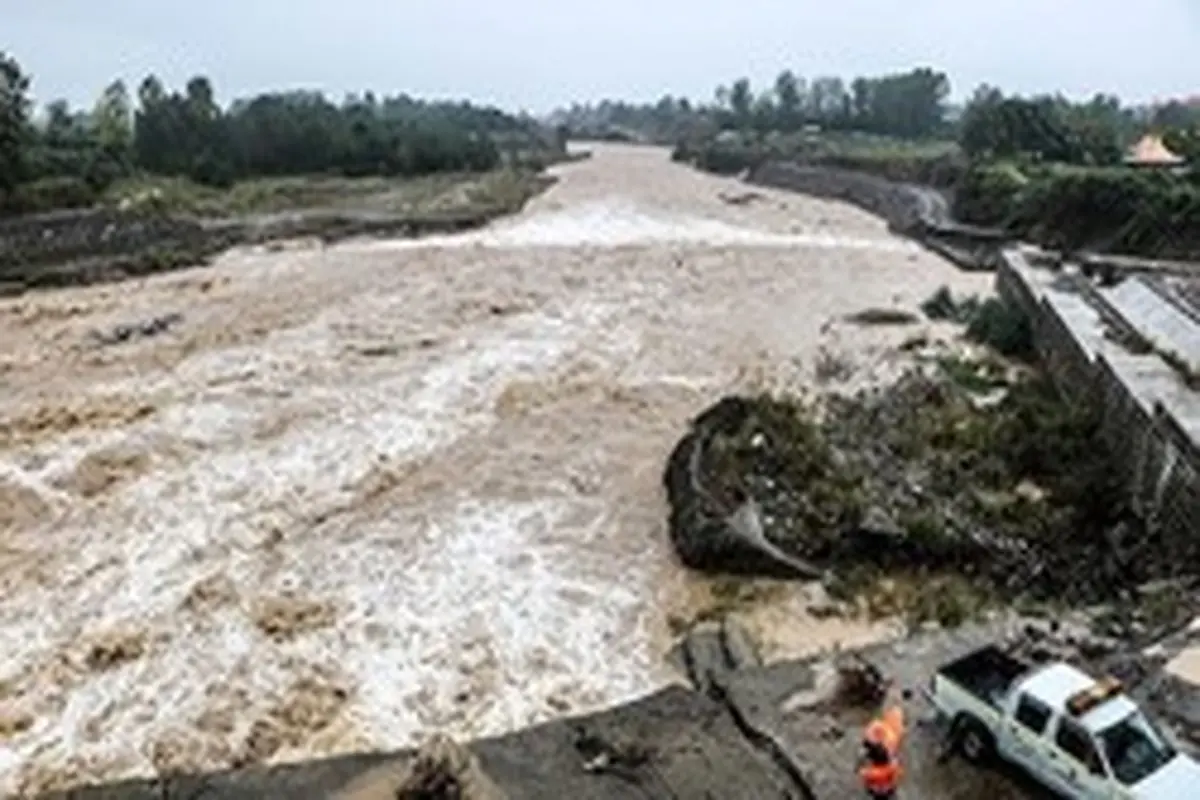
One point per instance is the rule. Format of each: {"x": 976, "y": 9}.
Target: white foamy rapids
{"x": 616, "y": 222}
{"x": 470, "y": 606}
{"x": 486, "y": 620}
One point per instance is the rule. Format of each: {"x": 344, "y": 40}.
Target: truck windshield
{"x": 1135, "y": 748}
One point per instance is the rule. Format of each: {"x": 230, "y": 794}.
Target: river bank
{"x": 153, "y": 234}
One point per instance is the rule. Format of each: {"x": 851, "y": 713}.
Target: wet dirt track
{"x": 360, "y": 493}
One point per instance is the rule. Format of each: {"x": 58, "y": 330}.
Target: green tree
{"x": 156, "y": 129}
{"x": 789, "y": 100}
{"x": 14, "y": 122}
{"x": 1176, "y": 115}
{"x": 112, "y": 121}
{"x": 765, "y": 113}
{"x": 741, "y": 102}
{"x": 862, "y": 98}
{"x": 1045, "y": 128}
{"x": 827, "y": 98}
{"x": 188, "y": 133}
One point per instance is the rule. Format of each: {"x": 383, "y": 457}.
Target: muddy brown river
{"x": 365, "y": 492}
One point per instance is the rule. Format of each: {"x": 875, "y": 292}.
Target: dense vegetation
{"x": 1048, "y": 169}
{"x": 1052, "y": 172}
{"x": 907, "y": 104}
{"x": 67, "y": 156}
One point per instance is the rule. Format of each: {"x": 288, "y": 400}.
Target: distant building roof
{"x": 1150, "y": 151}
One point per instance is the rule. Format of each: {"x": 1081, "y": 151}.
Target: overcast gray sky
{"x": 536, "y": 54}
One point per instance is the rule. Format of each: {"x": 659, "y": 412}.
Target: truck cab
{"x": 1083, "y": 738}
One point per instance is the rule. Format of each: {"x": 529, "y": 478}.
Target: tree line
{"x": 187, "y": 133}
{"x": 906, "y": 105}
{"x": 1048, "y": 128}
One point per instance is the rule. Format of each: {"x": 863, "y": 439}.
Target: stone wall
{"x": 1161, "y": 461}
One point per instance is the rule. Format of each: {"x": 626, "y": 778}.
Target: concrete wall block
{"x": 1160, "y": 461}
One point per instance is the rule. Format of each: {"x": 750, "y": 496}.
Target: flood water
{"x": 366, "y": 492}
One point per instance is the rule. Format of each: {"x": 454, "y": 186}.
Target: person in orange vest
{"x": 880, "y": 769}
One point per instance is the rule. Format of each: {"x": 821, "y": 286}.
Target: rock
{"x": 1186, "y": 666}
{"x": 440, "y": 770}
{"x": 739, "y": 647}
{"x": 883, "y": 316}
{"x": 141, "y": 330}
{"x": 742, "y": 199}
{"x": 1030, "y": 491}
{"x": 877, "y": 522}
{"x": 446, "y": 769}
{"x": 704, "y": 658}
{"x": 1155, "y": 652}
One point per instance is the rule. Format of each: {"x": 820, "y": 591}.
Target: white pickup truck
{"x": 1082, "y": 738}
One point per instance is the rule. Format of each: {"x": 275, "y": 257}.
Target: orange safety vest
{"x": 888, "y": 732}
{"x": 881, "y": 778}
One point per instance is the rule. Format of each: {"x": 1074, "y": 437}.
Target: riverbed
{"x": 358, "y": 493}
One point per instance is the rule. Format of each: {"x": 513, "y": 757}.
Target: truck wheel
{"x": 975, "y": 742}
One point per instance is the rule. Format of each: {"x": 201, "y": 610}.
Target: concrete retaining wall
{"x": 1161, "y": 459}
{"x": 917, "y": 211}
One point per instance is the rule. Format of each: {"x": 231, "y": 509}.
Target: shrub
{"x": 1117, "y": 210}
{"x": 989, "y": 194}
{"x": 942, "y": 305}
{"x": 48, "y": 194}
{"x": 1002, "y": 327}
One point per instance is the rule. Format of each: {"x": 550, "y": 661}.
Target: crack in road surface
{"x": 364, "y": 492}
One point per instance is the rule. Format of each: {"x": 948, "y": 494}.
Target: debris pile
{"x": 126, "y": 332}
{"x": 441, "y": 769}
{"x": 445, "y": 770}
{"x": 992, "y": 485}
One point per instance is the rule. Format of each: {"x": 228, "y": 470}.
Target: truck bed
{"x": 986, "y": 673}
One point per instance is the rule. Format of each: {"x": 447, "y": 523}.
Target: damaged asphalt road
{"x": 750, "y": 731}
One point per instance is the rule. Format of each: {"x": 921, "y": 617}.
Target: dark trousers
{"x": 890, "y": 794}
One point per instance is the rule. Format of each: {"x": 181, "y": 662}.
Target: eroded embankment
{"x": 921, "y": 212}
{"x": 965, "y": 484}
{"x": 83, "y": 247}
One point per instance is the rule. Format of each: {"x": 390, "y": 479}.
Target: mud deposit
{"x": 358, "y": 493}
